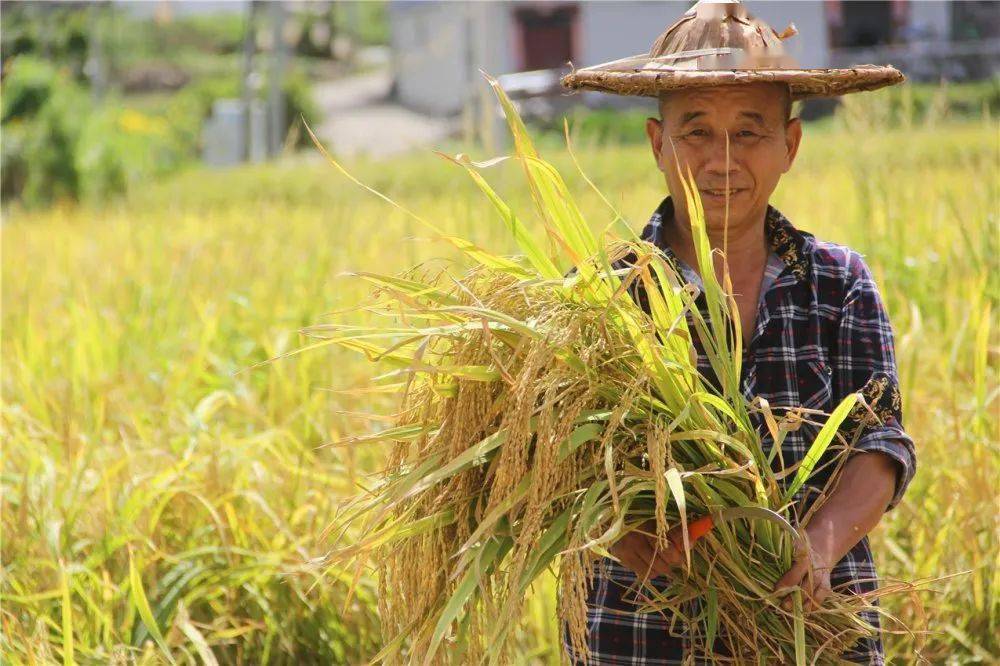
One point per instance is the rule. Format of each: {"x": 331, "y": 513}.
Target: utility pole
{"x": 247, "y": 89}
{"x": 469, "y": 103}
{"x": 95, "y": 66}
{"x": 352, "y": 21}
{"x": 488, "y": 120}
{"x": 276, "y": 91}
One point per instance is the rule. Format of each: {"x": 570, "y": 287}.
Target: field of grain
{"x": 162, "y": 501}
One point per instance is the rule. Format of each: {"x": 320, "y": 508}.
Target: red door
{"x": 546, "y": 35}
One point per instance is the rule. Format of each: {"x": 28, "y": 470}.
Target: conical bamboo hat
{"x": 718, "y": 42}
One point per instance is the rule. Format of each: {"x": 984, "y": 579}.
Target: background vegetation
{"x": 98, "y": 99}
{"x": 164, "y": 502}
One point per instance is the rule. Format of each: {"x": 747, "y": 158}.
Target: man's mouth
{"x": 722, "y": 192}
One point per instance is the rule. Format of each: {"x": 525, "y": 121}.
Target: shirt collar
{"x": 791, "y": 245}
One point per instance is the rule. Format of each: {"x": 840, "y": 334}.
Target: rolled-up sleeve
{"x": 866, "y": 362}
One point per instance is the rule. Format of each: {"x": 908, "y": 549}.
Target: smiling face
{"x": 693, "y": 129}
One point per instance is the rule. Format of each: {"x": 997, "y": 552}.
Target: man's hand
{"x": 810, "y": 571}
{"x": 851, "y": 511}
{"x": 639, "y": 551}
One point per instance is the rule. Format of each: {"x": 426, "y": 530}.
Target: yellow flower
{"x": 136, "y": 122}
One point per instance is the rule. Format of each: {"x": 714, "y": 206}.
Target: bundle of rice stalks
{"x": 545, "y": 413}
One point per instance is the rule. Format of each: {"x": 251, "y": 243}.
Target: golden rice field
{"x": 162, "y": 502}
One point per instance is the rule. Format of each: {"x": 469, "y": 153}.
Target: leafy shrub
{"x": 59, "y": 32}
{"x": 27, "y": 88}
{"x": 121, "y": 146}
{"x": 58, "y": 145}
{"x": 43, "y": 114}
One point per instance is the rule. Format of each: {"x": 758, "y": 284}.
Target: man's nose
{"x": 716, "y": 161}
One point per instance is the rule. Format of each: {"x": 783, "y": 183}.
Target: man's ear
{"x": 654, "y": 130}
{"x": 793, "y": 138}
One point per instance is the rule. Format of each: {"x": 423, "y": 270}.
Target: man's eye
{"x": 697, "y": 132}
{"x": 746, "y": 133}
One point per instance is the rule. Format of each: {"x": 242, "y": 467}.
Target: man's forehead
{"x": 752, "y": 102}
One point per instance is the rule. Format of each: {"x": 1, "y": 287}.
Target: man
{"x": 813, "y": 321}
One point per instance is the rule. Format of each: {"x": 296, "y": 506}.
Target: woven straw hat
{"x": 718, "y": 42}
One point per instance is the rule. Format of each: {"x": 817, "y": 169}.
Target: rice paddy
{"x": 161, "y": 502}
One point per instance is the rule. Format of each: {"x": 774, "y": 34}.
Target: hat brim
{"x": 803, "y": 83}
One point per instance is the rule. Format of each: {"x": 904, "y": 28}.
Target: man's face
{"x": 693, "y": 131}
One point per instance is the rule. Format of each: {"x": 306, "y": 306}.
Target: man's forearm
{"x": 858, "y": 501}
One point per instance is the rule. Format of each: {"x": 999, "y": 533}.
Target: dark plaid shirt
{"x": 821, "y": 333}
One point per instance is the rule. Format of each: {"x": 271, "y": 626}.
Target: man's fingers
{"x": 676, "y": 536}
{"x": 636, "y": 551}
{"x": 807, "y": 574}
{"x": 659, "y": 559}
{"x": 792, "y": 579}
{"x": 645, "y": 531}
{"x": 641, "y": 551}
{"x": 815, "y": 586}
{"x": 624, "y": 551}
{"x": 819, "y": 593}
{"x": 822, "y": 592}
{"x": 667, "y": 558}
{"x": 640, "y": 559}
{"x": 643, "y": 555}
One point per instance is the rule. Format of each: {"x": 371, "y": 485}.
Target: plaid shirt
{"x": 821, "y": 333}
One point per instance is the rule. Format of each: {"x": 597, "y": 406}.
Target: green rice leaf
{"x": 524, "y": 239}
{"x": 820, "y": 444}
{"x": 581, "y": 434}
{"x": 712, "y": 616}
{"x": 141, "y": 604}
{"x": 549, "y": 546}
{"x": 491, "y": 552}
{"x": 799, "y": 623}
{"x": 566, "y": 225}
{"x": 489, "y": 521}
{"x": 486, "y": 258}
{"x": 410, "y": 288}
{"x": 590, "y": 510}
{"x": 403, "y": 433}
{"x": 195, "y": 636}
{"x": 68, "y": 648}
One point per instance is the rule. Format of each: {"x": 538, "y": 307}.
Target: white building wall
{"x": 810, "y": 47}
{"x": 930, "y": 19}
{"x": 428, "y": 43}
{"x": 612, "y": 30}
{"x": 439, "y": 47}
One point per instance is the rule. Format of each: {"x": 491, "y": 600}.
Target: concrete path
{"x": 358, "y": 118}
